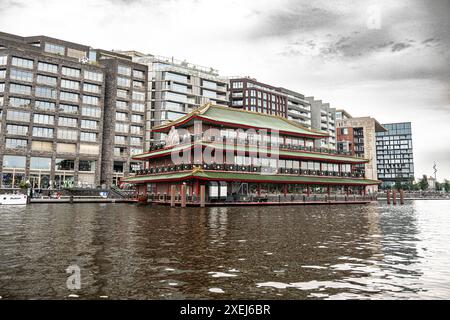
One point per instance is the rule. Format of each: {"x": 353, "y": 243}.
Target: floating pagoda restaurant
{"x": 225, "y": 156}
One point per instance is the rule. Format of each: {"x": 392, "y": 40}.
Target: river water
{"x": 127, "y": 251}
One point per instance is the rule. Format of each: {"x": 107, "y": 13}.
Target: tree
{"x": 423, "y": 183}
{"x": 447, "y": 185}
{"x": 438, "y": 186}
{"x": 398, "y": 183}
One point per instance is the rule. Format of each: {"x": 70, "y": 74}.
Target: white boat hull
{"x": 13, "y": 199}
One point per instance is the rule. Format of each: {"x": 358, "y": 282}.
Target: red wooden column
{"x": 259, "y": 189}
{"x": 308, "y": 191}
{"x": 285, "y": 190}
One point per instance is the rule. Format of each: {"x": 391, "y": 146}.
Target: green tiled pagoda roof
{"x": 254, "y": 177}
{"x": 285, "y": 153}
{"x": 242, "y": 119}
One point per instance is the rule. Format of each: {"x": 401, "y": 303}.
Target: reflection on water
{"x": 143, "y": 252}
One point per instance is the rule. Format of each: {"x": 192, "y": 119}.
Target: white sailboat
{"x": 13, "y": 199}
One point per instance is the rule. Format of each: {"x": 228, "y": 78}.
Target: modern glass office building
{"x": 395, "y": 160}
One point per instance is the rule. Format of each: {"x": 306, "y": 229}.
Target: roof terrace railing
{"x": 247, "y": 169}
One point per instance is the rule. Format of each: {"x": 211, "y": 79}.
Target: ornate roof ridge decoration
{"x": 202, "y": 111}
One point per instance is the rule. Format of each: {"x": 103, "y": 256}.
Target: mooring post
{"x": 388, "y": 196}
{"x": 402, "y": 197}
{"x": 172, "y": 195}
{"x": 183, "y": 195}
{"x": 394, "y": 197}
{"x": 202, "y": 195}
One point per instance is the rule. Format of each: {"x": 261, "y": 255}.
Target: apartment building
{"x": 124, "y": 118}
{"x": 51, "y": 111}
{"x": 175, "y": 88}
{"x": 395, "y": 159}
{"x": 357, "y": 135}
{"x": 323, "y": 117}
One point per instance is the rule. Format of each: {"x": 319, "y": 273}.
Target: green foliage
{"x": 423, "y": 183}
{"x": 447, "y": 185}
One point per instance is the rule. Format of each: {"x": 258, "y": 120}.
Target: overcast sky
{"x": 394, "y": 69}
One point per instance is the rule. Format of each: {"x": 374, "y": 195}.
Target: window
{"x": 134, "y": 151}
{"x": 67, "y": 108}
{"x": 20, "y": 89}
{"x": 14, "y": 162}
{"x": 123, "y": 82}
{"x": 2, "y": 87}
{"x": 15, "y": 115}
{"x": 16, "y": 143}
{"x": 67, "y": 134}
{"x": 139, "y": 107}
{"x": 65, "y": 164}
{"x": 44, "y": 92}
{"x": 121, "y": 116}
{"x": 21, "y": 75}
{"x": 121, "y": 127}
{"x": 136, "y": 130}
{"x": 175, "y": 77}
{"x": 91, "y": 112}
{"x": 139, "y": 96}
{"x": 3, "y": 60}
{"x": 89, "y": 87}
{"x": 42, "y": 132}
{"x": 48, "y": 67}
{"x": 209, "y": 94}
{"x": 54, "y": 48}
{"x": 89, "y": 124}
{"x": 39, "y": 163}
{"x": 19, "y": 102}
{"x": 67, "y": 122}
{"x": 135, "y": 141}
{"x": 77, "y": 54}
{"x": 91, "y": 100}
{"x": 68, "y": 96}
{"x": 71, "y": 72}
{"x": 122, "y": 93}
{"x": 121, "y": 104}
{"x": 3, "y": 74}
{"x": 175, "y": 97}
{"x": 120, "y": 139}
{"x": 137, "y": 118}
{"x": 44, "y": 105}
{"x": 17, "y": 130}
{"x": 23, "y": 63}
{"x": 69, "y": 84}
{"x": 94, "y": 76}
{"x": 124, "y": 70}
{"x": 87, "y": 165}
{"x": 344, "y": 130}
{"x": 209, "y": 84}
{"x": 51, "y": 81}
{"x": 140, "y": 85}
{"x": 138, "y": 74}
{"x": 237, "y": 85}
{"x": 88, "y": 136}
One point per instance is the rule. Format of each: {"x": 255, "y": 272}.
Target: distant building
{"x": 323, "y": 117}
{"x": 249, "y": 94}
{"x": 358, "y": 136}
{"x": 395, "y": 161}
{"x": 175, "y": 88}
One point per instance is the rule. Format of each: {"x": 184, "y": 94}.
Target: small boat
{"x": 13, "y": 199}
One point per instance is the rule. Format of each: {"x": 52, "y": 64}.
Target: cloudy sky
{"x": 386, "y": 59}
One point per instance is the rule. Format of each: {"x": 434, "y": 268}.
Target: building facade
{"x": 395, "y": 160}
{"x": 51, "y": 111}
{"x": 358, "y": 136}
{"x": 175, "y": 88}
{"x": 235, "y": 157}
{"x": 249, "y": 94}
{"x": 323, "y": 117}
{"x": 124, "y": 117}
{"x": 71, "y": 116}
